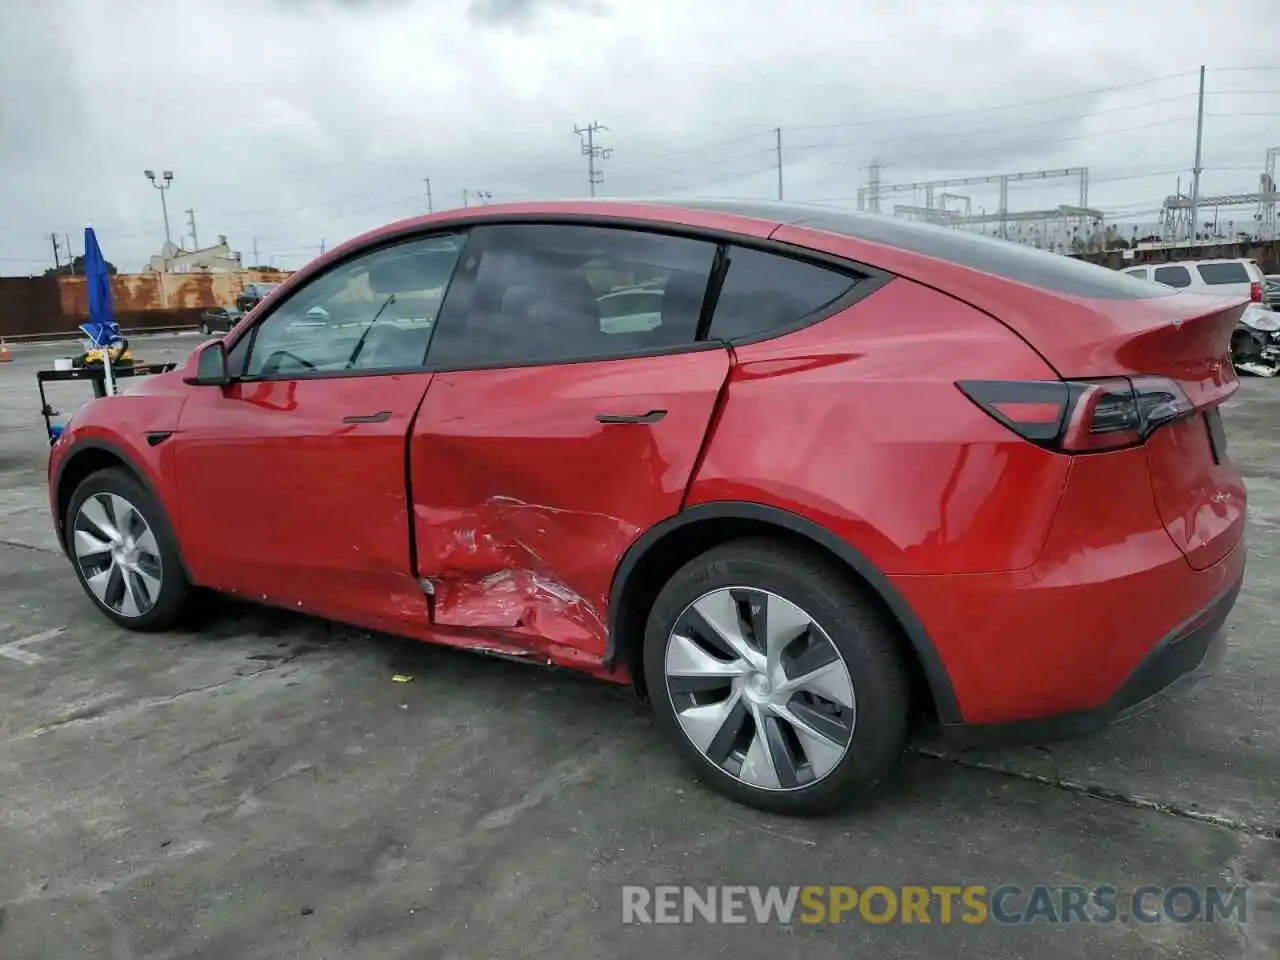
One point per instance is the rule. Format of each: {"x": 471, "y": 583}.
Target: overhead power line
{"x": 911, "y": 118}
{"x": 353, "y": 209}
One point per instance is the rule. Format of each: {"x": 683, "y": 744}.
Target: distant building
{"x": 216, "y": 259}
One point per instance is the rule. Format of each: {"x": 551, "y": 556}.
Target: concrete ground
{"x": 261, "y": 788}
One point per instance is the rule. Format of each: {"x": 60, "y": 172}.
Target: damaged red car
{"x": 799, "y": 475}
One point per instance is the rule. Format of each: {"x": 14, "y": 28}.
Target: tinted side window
{"x": 1139, "y": 273}
{"x": 374, "y": 312}
{"x": 764, "y": 291}
{"x": 546, "y": 293}
{"x": 1172, "y": 276}
{"x": 1216, "y": 273}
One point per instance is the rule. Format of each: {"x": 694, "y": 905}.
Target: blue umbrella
{"x": 102, "y": 330}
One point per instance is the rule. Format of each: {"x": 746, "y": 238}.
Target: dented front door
{"x": 529, "y": 484}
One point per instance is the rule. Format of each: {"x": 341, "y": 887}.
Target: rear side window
{"x": 552, "y": 293}
{"x": 1140, "y": 274}
{"x": 1173, "y": 276}
{"x": 763, "y": 291}
{"x": 1215, "y": 273}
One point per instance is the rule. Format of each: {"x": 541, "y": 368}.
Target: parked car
{"x": 219, "y": 319}
{"x": 630, "y": 310}
{"x": 253, "y": 293}
{"x": 1255, "y": 345}
{"x": 1237, "y": 278}
{"x": 860, "y": 470}
{"x": 1271, "y": 290}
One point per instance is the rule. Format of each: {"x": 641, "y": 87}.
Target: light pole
{"x": 164, "y": 207}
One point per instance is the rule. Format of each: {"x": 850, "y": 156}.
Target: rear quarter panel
{"x": 856, "y": 423}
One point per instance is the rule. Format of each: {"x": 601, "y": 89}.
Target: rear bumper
{"x": 1183, "y": 657}
{"x": 1074, "y": 634}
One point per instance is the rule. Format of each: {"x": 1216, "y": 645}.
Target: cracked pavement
{"x": 261, "y": 788}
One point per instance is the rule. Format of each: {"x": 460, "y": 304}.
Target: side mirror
{"x": 210, "y": 366}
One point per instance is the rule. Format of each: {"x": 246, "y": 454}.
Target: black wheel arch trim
{"x": 79, "y": 447}
{"x": 934, "y": 671}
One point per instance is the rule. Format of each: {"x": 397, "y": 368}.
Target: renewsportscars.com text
{"x": 937, "y": 903}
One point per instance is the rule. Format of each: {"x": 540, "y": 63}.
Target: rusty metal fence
{"x": 51, "y": 308}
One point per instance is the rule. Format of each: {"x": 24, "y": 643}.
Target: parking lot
{"x": 262, "y": 788}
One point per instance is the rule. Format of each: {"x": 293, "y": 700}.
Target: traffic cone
{"x": 5, "y": 355}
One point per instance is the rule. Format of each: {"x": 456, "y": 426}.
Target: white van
{"x": 1241, "y": 278}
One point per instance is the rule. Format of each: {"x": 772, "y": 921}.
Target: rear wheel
{"x": 776, "y": 678}
{"x": 125, "y": 552}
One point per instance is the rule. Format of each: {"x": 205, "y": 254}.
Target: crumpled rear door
{"x": 529, "y": 484}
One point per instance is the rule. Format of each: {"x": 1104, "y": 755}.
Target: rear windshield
{"x": 1223, "y": 273}
{"x": 1012, "y": 261}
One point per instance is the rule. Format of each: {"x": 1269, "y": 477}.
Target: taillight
{"x": 1255, "y": 292}
{"x": 1081, "y": 416}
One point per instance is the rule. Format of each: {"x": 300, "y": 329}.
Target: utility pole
{"x": 593, "y": 152}
{"x": 777, "y": 134}
{"x": 464, "y": 196}
{"x": 1195, "y": 181}
{"x": 162, "y": 187}
{"x": 57, "y": 262}
{"x": 71, "y": 260}
{"x": 255, "y": 253}
{"x": 322, "y": 246}
{"x": 874, "y": 186}
{"x": 427, "y": 181}
{"x": 191, "y": 222}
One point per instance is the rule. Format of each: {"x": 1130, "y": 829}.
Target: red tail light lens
{"x": 1255, "y": 292}
{"x": 1081, "y": 416}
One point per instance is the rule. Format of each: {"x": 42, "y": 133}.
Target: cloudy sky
{"x": 302, "y": 122}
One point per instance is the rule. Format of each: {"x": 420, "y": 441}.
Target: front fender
{"x": 132, "y": 430}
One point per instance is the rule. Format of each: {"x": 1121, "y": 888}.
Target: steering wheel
{"x": 272, "y": 364}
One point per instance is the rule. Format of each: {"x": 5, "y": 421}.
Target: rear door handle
{"x": 382, "y": 416}
{"x": 653, "y": 416}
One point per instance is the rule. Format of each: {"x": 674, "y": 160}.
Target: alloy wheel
{"x": 759, "y": 688}
{"x": 117, "y": 553}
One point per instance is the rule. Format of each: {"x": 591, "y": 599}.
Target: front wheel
{"x": 125, "y": 552}
{"x": 776, "y": 677}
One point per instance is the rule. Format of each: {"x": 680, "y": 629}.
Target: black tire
{"x": 175, "y": 590}
{"x": 867, "y": 643}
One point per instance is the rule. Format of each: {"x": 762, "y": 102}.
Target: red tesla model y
{"x": 798, "y": 475}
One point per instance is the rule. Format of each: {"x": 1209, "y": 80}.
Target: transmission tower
{"x": 1175, "y": 216}
{"x": 593, "y": 152}
{"x": 869, "y": 196}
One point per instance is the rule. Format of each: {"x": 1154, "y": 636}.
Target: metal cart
{"x": 97, "y": 377}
